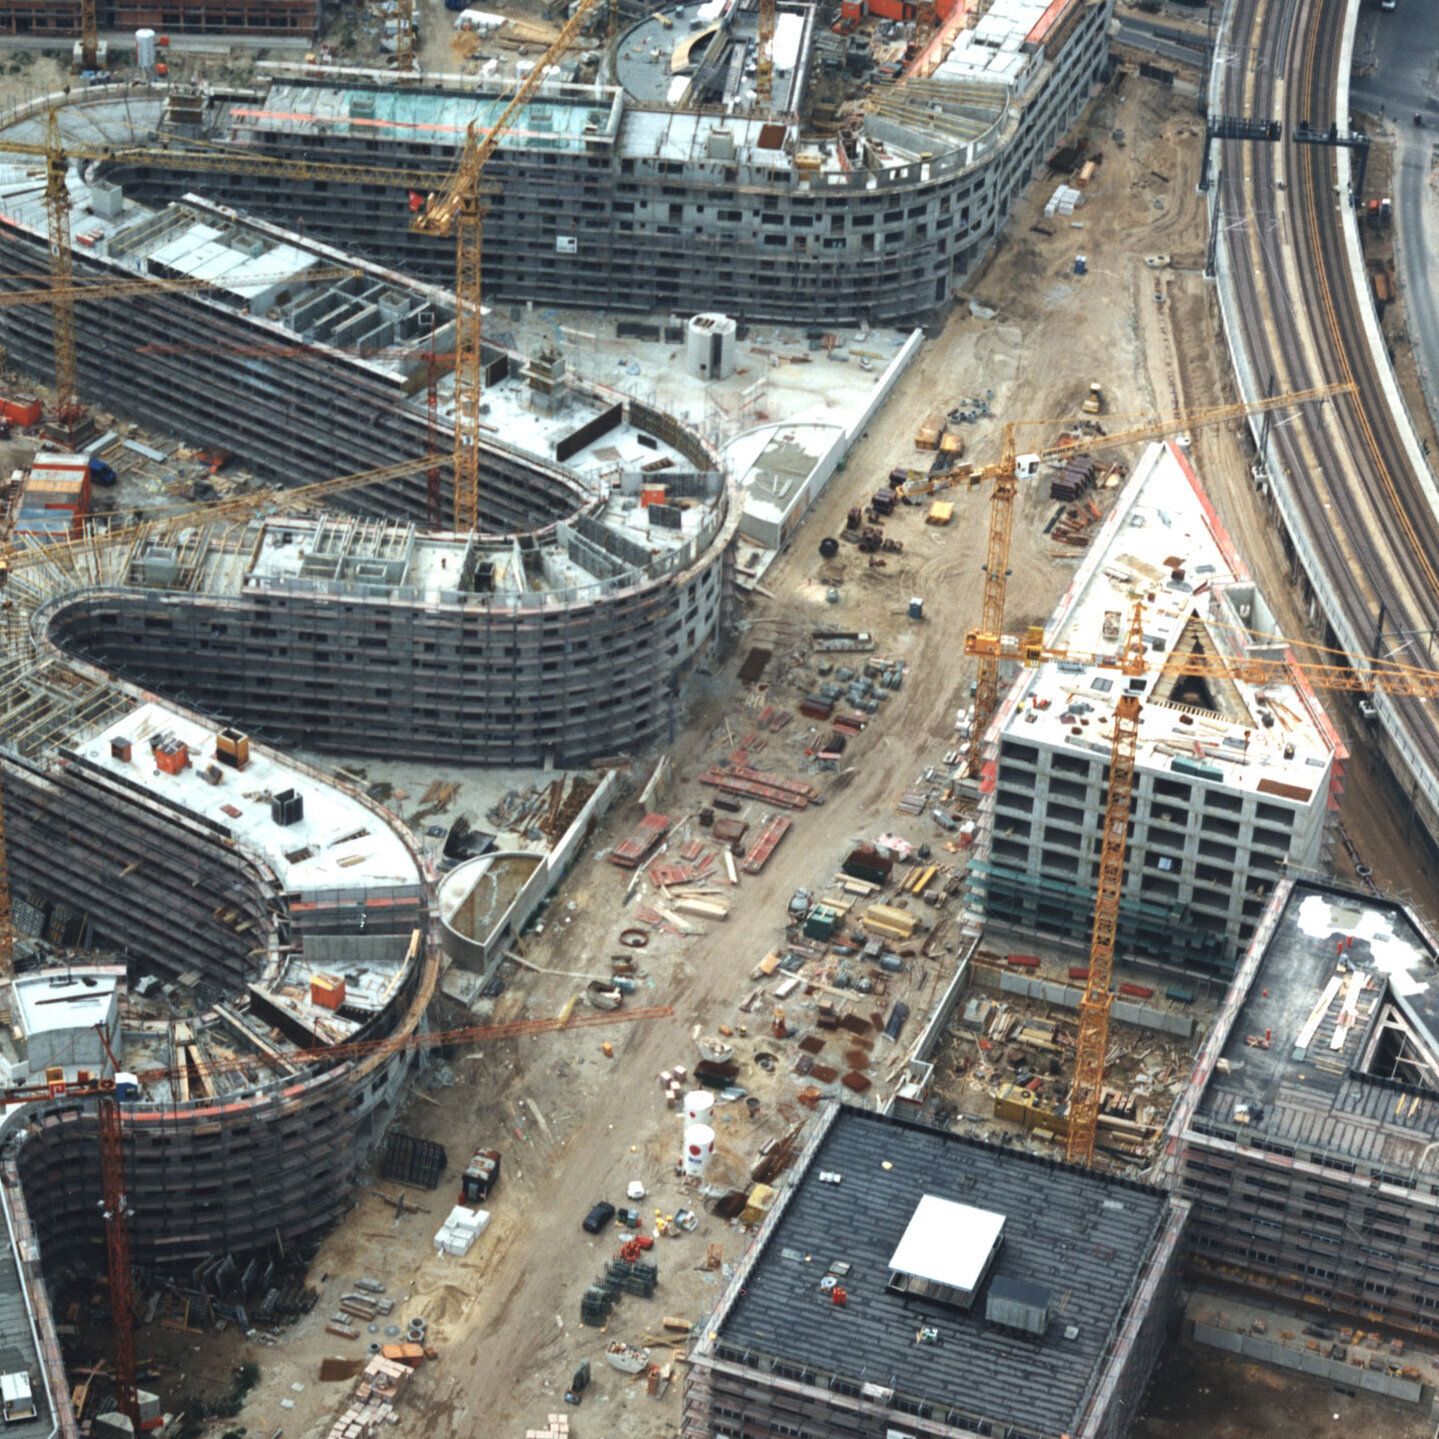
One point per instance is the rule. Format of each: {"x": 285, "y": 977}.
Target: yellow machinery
{"x": 1011, "y": 467}
{"x": 764, "y": 60}
{"x": 458, "y": 211}
{"x": 1363, "y": 676}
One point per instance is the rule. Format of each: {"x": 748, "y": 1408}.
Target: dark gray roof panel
{"x": 1082, "y": 1236}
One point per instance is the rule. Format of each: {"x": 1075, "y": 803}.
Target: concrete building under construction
{"x": 1234, "y": 783}
{"x": 908, "y": 1280}
{"x": 676, "y": 193}
{"x": 60, "y": 19}
{"x": 1308, "y": 1137}
{"x": 232, "y": 877}
{"x": 557, "y": 633}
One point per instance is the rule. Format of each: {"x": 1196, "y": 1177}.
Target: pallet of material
{"x": 758, "y": 784}
{"x": 630, "y": 853}
{"x": 885, "y": 919}
{"x": 730, "y": 832}
{"x": 774, "y": 830}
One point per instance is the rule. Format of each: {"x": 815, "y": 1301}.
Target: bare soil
{"x": 1202, "y": 1393}
{"x": 575, "y": 1124}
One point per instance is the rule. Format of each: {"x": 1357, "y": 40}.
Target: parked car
{"x": 598, "y": 1217}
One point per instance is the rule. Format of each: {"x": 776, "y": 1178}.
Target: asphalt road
{"x": 1397, "y": 55}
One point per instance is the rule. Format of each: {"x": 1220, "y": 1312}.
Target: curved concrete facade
{"x": 253, "y": 1158}
{"x": 613, "y": 203}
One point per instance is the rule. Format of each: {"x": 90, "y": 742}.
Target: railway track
{"x": 1368, "y": 540}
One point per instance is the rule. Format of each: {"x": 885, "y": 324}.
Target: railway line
{"x": 1359, "y": 517}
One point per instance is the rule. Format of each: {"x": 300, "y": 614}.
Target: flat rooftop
{"x": 60, "y": 1000}
{"x": 1163, "y": 543}
{"x": 1335, "y": 1045}
{"x": 658, "y": 58}
{"x": 570, "y": 117}
{"x": 338, "y": 844}
{"x": 1082, "y": 1236}
{"x": 1005, "y": 46}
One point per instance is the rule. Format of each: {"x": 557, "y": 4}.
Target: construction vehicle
{"x": 1011, "y": 467}
{"x": 1094, "y": 400}
{"x": 109, "y": 1098}
{"x": 1276, "y": 665}
{"x": 458, "y": 210}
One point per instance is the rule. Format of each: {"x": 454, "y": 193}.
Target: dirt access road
{"x": 505, "y": 1318}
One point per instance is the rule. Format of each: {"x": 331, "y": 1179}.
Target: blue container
{"x": 916, "y": 609}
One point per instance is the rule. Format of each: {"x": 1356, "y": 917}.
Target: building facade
{"x": 617, "y": 203}
{"x": 1234, "y": 784}
{"x": 1306, "y": 1143}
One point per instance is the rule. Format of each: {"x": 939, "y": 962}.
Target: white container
{"x": 145, "y": 50}
{"x": 699, "y": 1107}
{"x": 699, "y": 1147}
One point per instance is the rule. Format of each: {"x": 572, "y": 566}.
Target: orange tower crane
{"x": 1005, "y": 475}
{"x": 1278, "y": 665}
{"x": 459, "y": 211}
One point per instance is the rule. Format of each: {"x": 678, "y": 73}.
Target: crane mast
{"x": 764, "y": 59}
{"x": 1093, "y": 1039}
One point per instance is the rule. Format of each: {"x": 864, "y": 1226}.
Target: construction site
{"x": 603, "y": 832}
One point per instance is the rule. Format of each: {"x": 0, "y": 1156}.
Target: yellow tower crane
{"x": 1276, "y": 665}
{"x": 459, "y": 211}
{"x": 405, "y": 37}
{"x": 85, "y": 291}
{"x": 57, "y": 152}
{"x": 1011, "y": 467}
{"x": 89, "y": 36}
{"x": 764, "y": 58}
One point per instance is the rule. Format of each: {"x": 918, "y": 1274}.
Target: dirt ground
{"x": 1202, "y": 1393}
{"x": 577, "y": 1125}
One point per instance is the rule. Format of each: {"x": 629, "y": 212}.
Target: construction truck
{"x": 1094, "y": 400}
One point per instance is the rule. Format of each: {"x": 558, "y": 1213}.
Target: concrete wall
{"x": 483, "y": 953}
{"x": 1271, "y": 1351}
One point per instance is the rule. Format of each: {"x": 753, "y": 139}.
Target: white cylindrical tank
{"x": 145, "y": 49}
{"x": 710, "y": 347}
{"x": 699, "y": 1146}
{"x": 699, "y": 1107}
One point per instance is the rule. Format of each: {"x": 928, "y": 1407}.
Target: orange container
{"x": 173, "y": 758}
{"x": 653, "y": 495}
{"x": 327, "y": 990}
{"x": 21, "y": 409}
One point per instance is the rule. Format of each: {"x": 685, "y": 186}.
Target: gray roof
{"x": 1080, "y": 1235}
{"x": 1332, "y": 1097}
